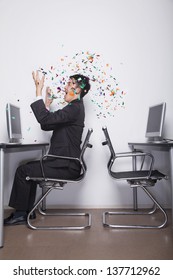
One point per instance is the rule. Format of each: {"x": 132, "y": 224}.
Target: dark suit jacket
{"x": 67, "y": 125}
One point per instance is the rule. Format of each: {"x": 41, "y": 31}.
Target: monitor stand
{"x": 155, "y": 140}
{"x": 14, "y": 141}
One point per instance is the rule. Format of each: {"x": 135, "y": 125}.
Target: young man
{"x": 67, "y": 125}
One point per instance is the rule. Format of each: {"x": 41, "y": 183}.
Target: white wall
{"x": 133, "y": 36}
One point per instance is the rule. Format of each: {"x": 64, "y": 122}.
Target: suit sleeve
{"x": 50, "y": 120}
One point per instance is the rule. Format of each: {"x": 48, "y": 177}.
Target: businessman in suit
{"x": 67, "y": 125}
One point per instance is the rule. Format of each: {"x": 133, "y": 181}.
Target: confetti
{"x": 106, "y": 95}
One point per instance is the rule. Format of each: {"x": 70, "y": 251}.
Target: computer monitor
{"x": 13, "y": 123}
{"x": 156, "y": 116}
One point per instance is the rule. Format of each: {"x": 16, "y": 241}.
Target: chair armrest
{"x": 133, "y": 154}
{"x": 59, "y": 157}
{"x": 136, "y": 154}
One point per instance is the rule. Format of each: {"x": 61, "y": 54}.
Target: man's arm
{"x": 68, "y": 114}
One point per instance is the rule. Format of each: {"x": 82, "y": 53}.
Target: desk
{"x": 159, "y": 147}
{"x": 9, "y": 148}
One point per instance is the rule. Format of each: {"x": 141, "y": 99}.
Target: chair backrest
{"x": 80, "y": 159}
{"x": 85, "y": 145}
{"x": 109, "y": 143}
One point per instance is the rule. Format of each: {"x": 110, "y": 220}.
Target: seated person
{"x": 67, "y": 125}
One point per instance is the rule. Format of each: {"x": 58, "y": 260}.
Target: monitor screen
{"x": 155, "y": 121}
{"x": 13, "y": 123}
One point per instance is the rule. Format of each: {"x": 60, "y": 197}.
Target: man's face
{"x": 72, "y": 90}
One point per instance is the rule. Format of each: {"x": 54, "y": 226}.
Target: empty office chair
{"x": 49, "y": 184}
{"x": 136, "y": 178}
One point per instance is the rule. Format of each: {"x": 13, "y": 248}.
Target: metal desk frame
{"x": 153, "y": 146}
{"x": 9, "y": 148}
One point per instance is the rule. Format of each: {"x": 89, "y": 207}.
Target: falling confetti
{"x": 105, "y": 94}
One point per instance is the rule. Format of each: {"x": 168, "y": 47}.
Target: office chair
{"x": 49, "y": 184}
{"x": 136, "y": 178}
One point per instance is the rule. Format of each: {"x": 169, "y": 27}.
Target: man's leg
{"x": 23, "y": 193}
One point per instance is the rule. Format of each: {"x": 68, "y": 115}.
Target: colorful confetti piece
{"x": 105, "y": 94}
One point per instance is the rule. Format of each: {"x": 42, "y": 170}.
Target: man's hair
{"x": 83, "y": 83}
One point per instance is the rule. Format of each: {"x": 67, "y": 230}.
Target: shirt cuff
{"x": 38, "y": 97}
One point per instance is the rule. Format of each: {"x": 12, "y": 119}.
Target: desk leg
{"x": 1, "y": 198}
{"x": 171, "y": 165}
{"x": 43, "y": 189}
{"x": 135, "y": 198}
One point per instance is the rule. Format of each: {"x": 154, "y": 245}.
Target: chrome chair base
{"x": 49, "y": 184}
{"x": 65, "y": 214}
{"x": 136, "y": 176}
{"x": 156, "y": 206}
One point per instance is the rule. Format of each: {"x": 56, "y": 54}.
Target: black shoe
{"x": 32, "y": 216}
{"x": 14, "y": 219}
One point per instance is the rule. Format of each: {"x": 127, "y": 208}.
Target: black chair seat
{"x": 135, "y": 178}
{"x": 50, "y": 184}
{"x": 136, "y": 175}
{"x": 47, "y": 181}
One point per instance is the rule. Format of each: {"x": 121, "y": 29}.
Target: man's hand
{"x": 39, "y": 83}
{"x": 48, "y": 97}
